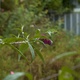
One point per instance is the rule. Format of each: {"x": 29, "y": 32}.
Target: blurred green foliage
{"x": 16, "y": 13}
{"x": 22, "y": 15}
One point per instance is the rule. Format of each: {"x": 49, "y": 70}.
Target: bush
{"x": 31, "y": 34}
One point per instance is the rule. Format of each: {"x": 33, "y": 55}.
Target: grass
{"x": 62, "y": 43}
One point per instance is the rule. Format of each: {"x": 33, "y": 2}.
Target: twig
{"x": 19, "y": 42}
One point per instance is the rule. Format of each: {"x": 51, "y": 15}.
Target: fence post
{"x": 77, "y": 23}
{"x": 65, "y": 26}
{"x": 71, "y": 25}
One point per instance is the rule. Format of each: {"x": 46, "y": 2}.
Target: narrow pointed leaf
{"x": 31, "y": 50}
{"x": 14, "y": 76}
{"x": 23, "y": 47}
{"x": 18, "y": 51}
{"x": 63, "y": 55}
{"x": 39, "y": 54}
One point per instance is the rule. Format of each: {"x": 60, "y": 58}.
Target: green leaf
{"x": 37, "y": 34}
{"x": 8, "y": 40}
{"x": 12, "y": 39}
{"x": 30, "y": 77}
{"x": 63, "y": 55}
{"x": 31, "y": 50}
{"x": 51, "y": 31}
{"x": 65, "y": 74}
{"x": 23, "y": 47}
{"x": 42, "y": 43}
{"x": 39, "y": 54}
{"x": 17, "y": 50}
{"x": 14, "y": 76}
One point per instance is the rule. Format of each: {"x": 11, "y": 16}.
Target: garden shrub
{"x": 26, "y": 29}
